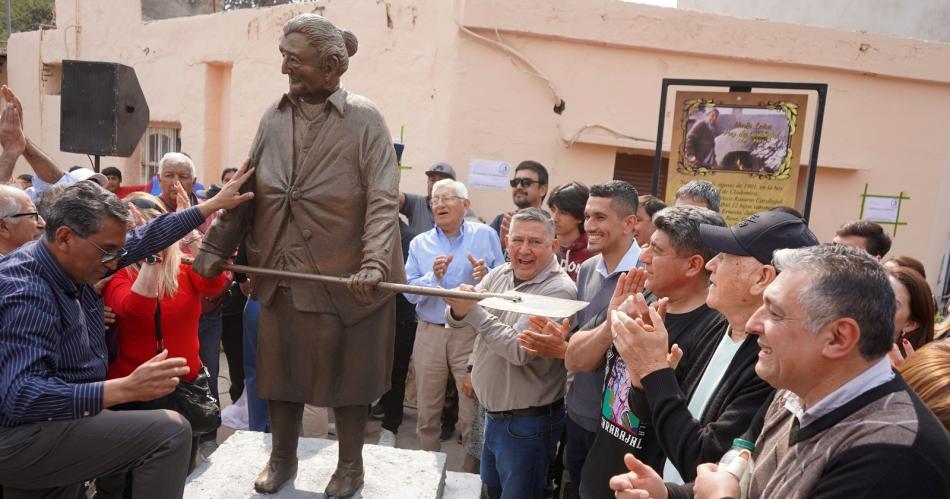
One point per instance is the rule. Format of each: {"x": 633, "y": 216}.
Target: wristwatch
{"x": 153, "y": 259}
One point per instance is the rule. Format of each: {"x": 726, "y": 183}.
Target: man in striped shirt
{"x": 54, "y": 423}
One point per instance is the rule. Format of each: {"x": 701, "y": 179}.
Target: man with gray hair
{"x": 523, "y": 394}
{"x": 20, "y": 222}
{"x": 327, "y": 201}
{"x": 455, "y": 252}
{"x": 176, "y": 170}
{"x": 54, "y": 423}
{"x": 700, "y": 193}
{"x": 842, "y": 423}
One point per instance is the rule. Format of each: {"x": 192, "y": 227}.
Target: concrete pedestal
{"x": 390, "y": 473}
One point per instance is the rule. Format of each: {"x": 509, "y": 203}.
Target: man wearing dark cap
{"x": 418, "y": 209}
{"x": 700, "y": 407}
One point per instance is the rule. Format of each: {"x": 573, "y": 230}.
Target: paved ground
{"x": 405, "y": 439}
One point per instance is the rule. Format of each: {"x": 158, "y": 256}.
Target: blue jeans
{"x": 516, "y": 453}
{"x": 209, "y": 345}
{"x": 256, "y": 407}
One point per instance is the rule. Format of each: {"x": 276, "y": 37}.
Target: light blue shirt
{"x": 476, "y": 239}
{"x": 630, "y": 260}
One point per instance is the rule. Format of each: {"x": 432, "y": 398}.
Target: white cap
{"x": 81, "y": 174}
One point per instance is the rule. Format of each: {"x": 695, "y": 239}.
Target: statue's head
{"x": 315, "y": 54}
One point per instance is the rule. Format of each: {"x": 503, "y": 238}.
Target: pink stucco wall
{"x": 461, "y": 99}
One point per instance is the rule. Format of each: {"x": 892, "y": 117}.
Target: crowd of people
{"x": 679, "y": 352}
{"x": 827, "y": 363}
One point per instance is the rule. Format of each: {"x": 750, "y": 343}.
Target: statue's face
{"x": 310, "y": 79}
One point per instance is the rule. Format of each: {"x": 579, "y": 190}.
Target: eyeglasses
{"x": 107, "y": 256}
{"x": 443, "y": 199}
{"x": 524, "y": 182}
{"x": 34, "y": 214}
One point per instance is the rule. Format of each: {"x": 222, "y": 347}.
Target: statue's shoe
{"x": 345, "y": 482}
{"x": 274, "y": 475}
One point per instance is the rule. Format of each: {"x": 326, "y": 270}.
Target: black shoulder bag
{"x": 192, "y": 399}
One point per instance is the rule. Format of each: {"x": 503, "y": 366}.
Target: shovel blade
{"x": 545, "y": 306}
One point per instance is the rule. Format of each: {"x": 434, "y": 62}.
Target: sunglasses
{"x": 524, "y": 182}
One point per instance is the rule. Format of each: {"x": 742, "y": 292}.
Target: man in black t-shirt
{"x": 675, "y": 261}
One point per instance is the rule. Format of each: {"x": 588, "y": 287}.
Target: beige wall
{"x": 461, "y": 99}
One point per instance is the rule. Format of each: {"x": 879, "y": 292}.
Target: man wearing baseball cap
{"x": 719, "y": 392}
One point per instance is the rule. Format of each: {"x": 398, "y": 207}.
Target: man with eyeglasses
{"x": 455, "y": 252}
{"x": 528, "y": 189}
{"x": 20, "y": 223}
{"x": 56, "y": 429}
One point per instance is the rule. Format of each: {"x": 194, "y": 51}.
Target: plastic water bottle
{"x": 740, "y": 468}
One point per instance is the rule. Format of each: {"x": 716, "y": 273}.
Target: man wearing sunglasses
{"x": 56, "y": 429}
{"x": 528, "y": 189}
{"x": 19, "y": 221}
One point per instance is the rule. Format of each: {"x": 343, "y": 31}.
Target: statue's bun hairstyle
{"x": 329, "y": 40}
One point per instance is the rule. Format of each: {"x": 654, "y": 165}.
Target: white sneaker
{"x": 386, "y": 438}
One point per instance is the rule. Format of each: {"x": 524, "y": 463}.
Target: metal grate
{"x": 638, "y": 170}
{"x": 156, "y": 142}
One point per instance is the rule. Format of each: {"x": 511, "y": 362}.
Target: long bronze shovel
{"x": 512, "y": 301}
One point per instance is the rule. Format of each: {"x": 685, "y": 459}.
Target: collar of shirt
{"x": 56, "y": 273}
{"x": 630, "y": 260}
{"x": 874, "y": 376}
{"x": 463, "y": 229}
{"x": 337, "y": 100}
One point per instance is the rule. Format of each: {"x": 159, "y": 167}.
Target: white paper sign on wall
{"x": 489, "y": 174}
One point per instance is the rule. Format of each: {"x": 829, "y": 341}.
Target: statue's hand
{"x": 363, "y": 284}
{"x": 207, "y": 265}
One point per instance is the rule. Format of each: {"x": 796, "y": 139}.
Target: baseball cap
{"x": 81, "y": 174}
{"x": 441, "y": 169}
{"x": 759, "y": 235}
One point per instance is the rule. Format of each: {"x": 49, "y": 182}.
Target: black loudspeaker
{"x": 103, "y": 110}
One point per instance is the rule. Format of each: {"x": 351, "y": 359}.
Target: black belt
{"x": 541, "y": 410}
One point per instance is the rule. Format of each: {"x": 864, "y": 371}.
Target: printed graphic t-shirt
{"x": 621, "y": 431}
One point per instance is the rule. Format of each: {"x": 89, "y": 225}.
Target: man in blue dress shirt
{"x": 54, "y": 423}
{"x": 454, "y": 252}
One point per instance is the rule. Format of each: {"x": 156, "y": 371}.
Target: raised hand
{"x": 545, "y": 338}
{"x": 11, "y": 131}
{"x": 643, "y": 346}
{"x": 230, "y": 195}
{"x": 182, "y": 201}
{"x": 440, "y": 265}
{"x": 479, "y": 270}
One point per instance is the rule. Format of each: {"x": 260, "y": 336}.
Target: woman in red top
{"x": 567, "y": 204}
{"x": 160, "y": 283}
{"x": 135, "y": 292}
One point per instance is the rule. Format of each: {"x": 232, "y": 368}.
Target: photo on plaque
{"x": 748, "y": 144}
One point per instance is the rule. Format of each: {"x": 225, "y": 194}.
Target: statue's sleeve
{"x": 381, "y": 179}
{"x": 229, "y": 227}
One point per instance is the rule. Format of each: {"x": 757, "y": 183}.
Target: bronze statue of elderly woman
{"x": 325, "y": 201}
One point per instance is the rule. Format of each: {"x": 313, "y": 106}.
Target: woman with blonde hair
{"x": 157, "y": 295}
{"x": 927, "y": 371}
